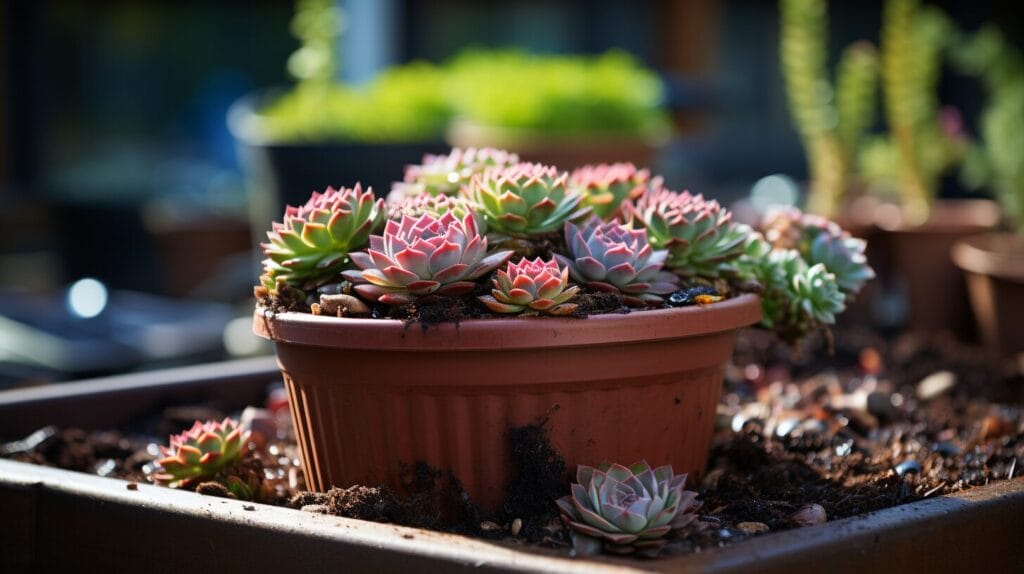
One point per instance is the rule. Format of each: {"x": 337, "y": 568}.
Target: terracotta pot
{"x": 566, "y": 152}
{"x": 921, "y": 267}
{"x": 369, "y": 396}
{"x": 994, "y": 264}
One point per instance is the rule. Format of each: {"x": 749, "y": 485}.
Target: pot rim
{"x": 996, "y": 254}
{"x": 510, "y": 333}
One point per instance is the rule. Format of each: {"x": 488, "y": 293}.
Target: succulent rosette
{"x": 699, "y": 234}
{"x": 629, "y": 508}
{"x": 313, "y": 242}
{"x": 614, "y": 257}
{"x": 531, "y": 287}
{"x": 199, "y": 453}
{"x": 435, "y": 205}
{"x": 524, "y": 199}
{"x": 605, "y": 186}
{"x": 420, "y": 256}
{"x": 820, "y": 241}
{"x": 446, "y": 174}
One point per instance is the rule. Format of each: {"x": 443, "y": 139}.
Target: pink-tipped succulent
{"x": 699, "y": 234}
{"x": 313, "y": 242}
{"x": 434, "y": 205}
{"x": 421, "y": 256}
{"x": 524, "y": 199}
{"x": 531, "y": 288}
{"x": 199, "y": 453}
{"x": 605, "y": 186}
{"x": 617, "y": 258}
{"x": 446, "y": 174}
{"x": 629, "y": 508}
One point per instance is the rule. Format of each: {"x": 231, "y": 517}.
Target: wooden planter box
{"x": 56, "y": 520}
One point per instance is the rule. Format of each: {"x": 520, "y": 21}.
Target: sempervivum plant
{"x": 446, "y": 174}
{"x": 313, "y": 242}
{"x": 605, "y": 186}
{"x": 530, "y": 288}
{"x": 435, "y": 205}
{"x": 199, "y": 453}
{"x": 524, "y": 199}
{"x": 820, "y": 241}
{"x": 629, "y": 508}
{"x": 699, "y": 234}
{"x": 614, "y": 257}
{"x": 421, "y": 256}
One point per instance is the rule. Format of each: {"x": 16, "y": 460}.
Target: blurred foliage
{"x": 831, "y": 119}
{"x": 557, "y": 94}
{"x": 997, "y": 161}
{"x": 923, "y": 143}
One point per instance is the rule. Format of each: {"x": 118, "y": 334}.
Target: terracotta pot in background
{"x": 921, "y": 266}
{"x": 370, "y": 396}
{"x": 565, "y": 152}
{"x": 994, "y": 264}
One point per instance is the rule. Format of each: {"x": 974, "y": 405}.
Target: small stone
{"x": 752, "y": 527}
{"x": 945, "y": 449}
{"x": 315, "y": 508}
{"x": 883, "y": 405}
{"x": 871, "y": 361}
{"x": 935, "y": 384}
{"x": 488, "y": 526}
{"x": 517, "y": 526}
{"x": 343, "y": 305}
{"x": 248, "y": 507}
{"x": 693, "y": 296}
{"x": 132, "y": 486}
{"x": 909, "y": 466}
{"x": 809, "y": 515}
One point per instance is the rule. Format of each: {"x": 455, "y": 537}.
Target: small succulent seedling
{"x": 629, "y": 508}
{"x": 524, "y": 199}
{"x": 604, "y": 187}
{"x": 422, "y": 256}
{"x": 616, "y": 258}
{"x": 313, "y": 242}
{"x": 199, "y": 453}
{"x": 531, "y": 288}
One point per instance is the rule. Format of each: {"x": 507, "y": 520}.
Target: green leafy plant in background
{"x": 997, "y": 161}
{"x": 557, "y": 94}
{"x": 920, "y": 146}
{"x": 831, "y": 118}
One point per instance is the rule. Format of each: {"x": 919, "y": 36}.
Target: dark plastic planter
{"x": 60, "y": 521}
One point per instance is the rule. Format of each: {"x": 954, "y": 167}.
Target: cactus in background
{"x": 199, "y": 453}
{"x": 629, "y": 508}
{"x": 524, "y": 199}
{"x": 604, "y": 187}
{"x": 531, "y": 288}
{"x": 699, "y": 234}
{"x": 615, "y": 258}
{"x": 313, "y": 242}
{"x": 913, "y": 41}
{"x": 831, "y": 121}
{"x": 421, "y": 256}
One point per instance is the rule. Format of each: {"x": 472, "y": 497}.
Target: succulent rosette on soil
{"x": 629, "y": 508}
{"x": 615, "y": 257}
{"x": 313, "y": 242}
{"x": 820, "y": 241}
{"x": 435, "y": 205}
{"x": 531, "y": 287}
{"x": 699, "y": 234}
{"x": 446, "y": 174}
{"x": 199, "y": 453}
{"x": 524, "y": 199}
{"x": 421, "y": 256}
{"x": 605, "y": 186}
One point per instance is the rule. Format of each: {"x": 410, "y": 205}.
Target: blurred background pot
{"x": 994, "y": 264}
{"x": 922, "y": 271}
{"x": 372, "y": 396}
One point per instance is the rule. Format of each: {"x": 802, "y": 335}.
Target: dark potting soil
{"x": 882, "y": 422}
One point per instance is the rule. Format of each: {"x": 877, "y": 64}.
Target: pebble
{"x": 517, "y": 526}
{"x": 488, "y": 526}
{"x": 908, "y": 466}
{"x": 316, "y": 508}
{"x": 342, "y": 304}
{"x": 809, "y": 515}
{"x": 935, "y": 384}
{"x": 693, "y": 296}
{"x": 945, "y": 449}
{"x": 133, "y": 486}
{"x": 752, "y": 527}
